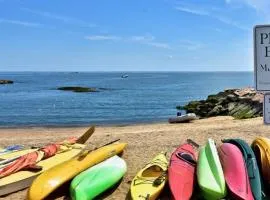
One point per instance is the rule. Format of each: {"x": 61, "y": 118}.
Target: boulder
{"x": 78, "y": 89}
{"x": 239, "y": 103}
{"x": 6, "y": 81}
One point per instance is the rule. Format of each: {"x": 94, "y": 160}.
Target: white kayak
{"x": 183, "y": 118}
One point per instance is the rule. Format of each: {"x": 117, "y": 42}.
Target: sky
{"x": 121, "y": 35}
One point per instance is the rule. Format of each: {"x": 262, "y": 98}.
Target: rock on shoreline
{"x": 78, "y": 89}
{"x": 239, "y": 103}
{"x": 6, "y": 81}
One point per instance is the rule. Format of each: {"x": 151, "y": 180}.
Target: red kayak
{"x": 182, "y": 172}
{"x": 235, "y": 171}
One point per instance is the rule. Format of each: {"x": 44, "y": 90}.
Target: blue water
{"x": 142, "y": 97}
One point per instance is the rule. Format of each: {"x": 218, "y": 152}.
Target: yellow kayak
{"x": 23, "y": 179}
{"x": 81, "y": 140}
{"x": 150, "y": 181}
{"x": 16, "y": 153}
{"x": 261, "y": 148}
{"x": 53, "y": 178}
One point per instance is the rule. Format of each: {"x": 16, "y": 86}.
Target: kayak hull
{"x": 210, "y": 174}
{"x": 261, "y": 146}
{"x": 56, "y": 176}
{"x": 235, "y": 171}
{"x": 181, "y": 173}
{"x": 91, "y": 183}
{"x": 143, "y": 187}
{"x": 23, "y": 179}
{"x": 251, "y": 165}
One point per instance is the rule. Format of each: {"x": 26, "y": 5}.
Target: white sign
{"x": 262, "y": 57}
{"x": 266, "y": 108}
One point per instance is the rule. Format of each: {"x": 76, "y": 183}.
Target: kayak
{"x": 56, "y": 176}
{"x": 235, "y": 171}
{"x": 16, "y": 153}
{"x": 81, "y": 140}
{"x": 261, "y": 146}
{"x": 183, "y": 118}
{"x": 251, "y": 165}
{"x": 209, "y": 173}
{"x": 96, "y": 180}
{"x": 10, "y": 149}
{"x": 150, "y": 181}
{"x": 23, "y": 179}
{"x": 182, "y": 172}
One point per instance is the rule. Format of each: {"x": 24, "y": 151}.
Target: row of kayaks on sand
{"x": 232, "y": 170}
{"x": 91, "y": 171}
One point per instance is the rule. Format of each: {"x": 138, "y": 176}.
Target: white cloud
{"x": 204, "y": 12}
{"x": 191, "y": 45}
{"x": 21, "y": 23}
{"x": 192, "y": 10}
{"x": 64, "y": 19}
{"x": 142, "y": 38}
{"x": 102, "y": 37}
{"x": 232, "y": 23}
{"x": 218, "y": 30}
{"x": 258, "y": 5}
{"x": 159, "y": 45}
{"x": 149, "y": 40}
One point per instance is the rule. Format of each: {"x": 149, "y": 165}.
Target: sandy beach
{"x": 144, "y": 141}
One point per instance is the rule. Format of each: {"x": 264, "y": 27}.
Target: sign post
{"x": 261, "y": 36}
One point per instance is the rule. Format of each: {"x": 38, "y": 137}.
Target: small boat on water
{"x": 183, "y": 118}
{"x": 124, "y": 76}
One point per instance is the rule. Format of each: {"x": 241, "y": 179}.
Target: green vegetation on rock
{"x": 239, "y": 103}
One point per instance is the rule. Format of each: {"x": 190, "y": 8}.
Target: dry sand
{"x": 144, "y": 141}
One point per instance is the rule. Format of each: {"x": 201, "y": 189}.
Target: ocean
{"x": 143, "y": 97}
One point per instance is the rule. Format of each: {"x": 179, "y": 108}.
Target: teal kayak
{"x": 251, "y": 165}
{"x": 210, "y": 174}
{"x": 96, "y": 180}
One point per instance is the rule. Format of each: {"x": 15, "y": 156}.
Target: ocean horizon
{"x": 142, "y": 97}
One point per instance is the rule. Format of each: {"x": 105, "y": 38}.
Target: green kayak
{"x": 96, "y": 180}
{"x": 210, "y": 174}
{"x": 252, "y": 166}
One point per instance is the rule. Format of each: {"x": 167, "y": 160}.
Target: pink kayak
{"x": 235, "y": 171}
{"x": 182, "y": 172}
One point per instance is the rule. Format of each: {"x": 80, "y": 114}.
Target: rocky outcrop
{"x": 6, "y": 82}
{"x": 79, "y": 89}
{"x": 239, "y": 103}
